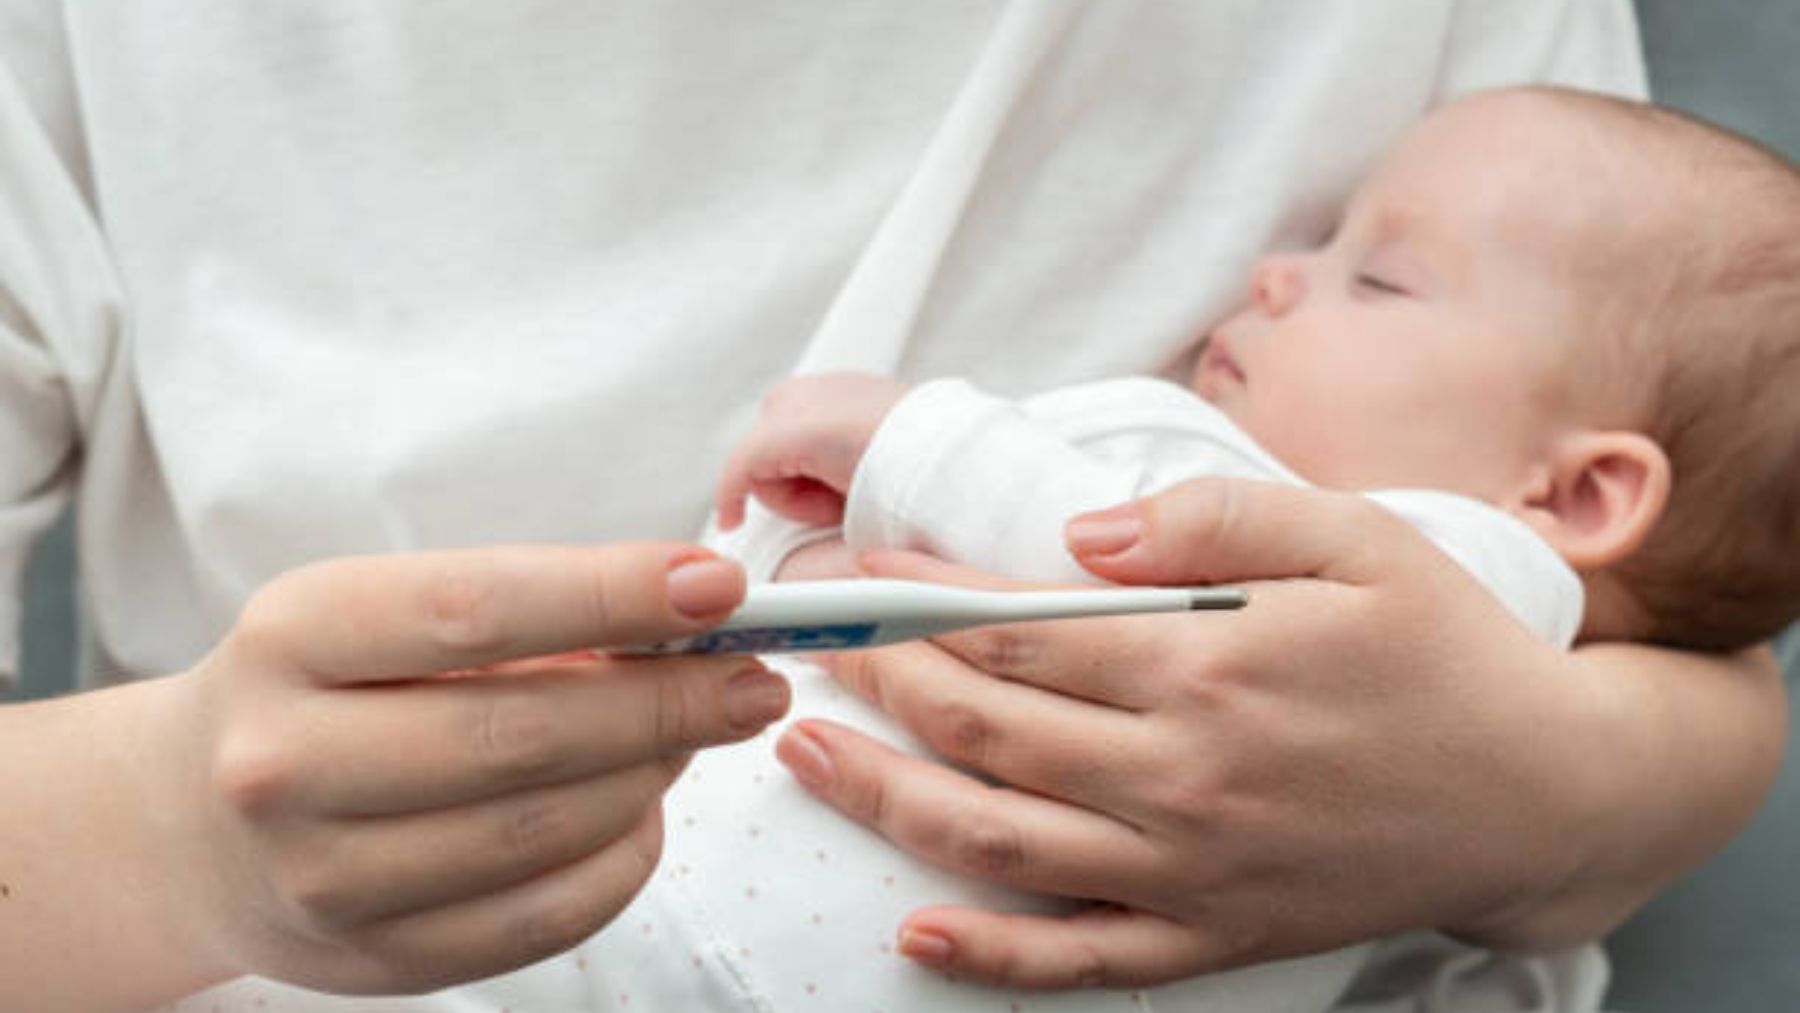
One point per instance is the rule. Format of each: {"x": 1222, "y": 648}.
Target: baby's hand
{"x": 801, "y": 455}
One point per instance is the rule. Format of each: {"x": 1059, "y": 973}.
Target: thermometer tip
{"x": 1216, "y": 598}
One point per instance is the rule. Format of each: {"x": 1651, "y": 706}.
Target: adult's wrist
{"x": 1667, "y": 756}
{"x": 162, "y": 743}
{"x": 102, "y": 880}
{"x": 1565, "y": 893}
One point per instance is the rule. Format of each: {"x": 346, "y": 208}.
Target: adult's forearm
{"x": 1685, "y": 748}
{"x": 85, "y": 918}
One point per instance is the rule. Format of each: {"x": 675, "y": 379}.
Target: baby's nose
{"x": 1276, "y": 284}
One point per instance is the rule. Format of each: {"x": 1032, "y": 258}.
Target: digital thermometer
{"x": 838, "y": 615}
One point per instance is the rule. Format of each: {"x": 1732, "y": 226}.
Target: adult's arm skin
{"x": 394, "y": 773}
{"x": 1372, "y": 745}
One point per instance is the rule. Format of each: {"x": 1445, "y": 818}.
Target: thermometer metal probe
{"x": 837, "y": 615}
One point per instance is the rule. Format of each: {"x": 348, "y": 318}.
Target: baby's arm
{"x": 948, "y": 469}
{"x": 963, "y": 475}
{"x": 800, "y": 457}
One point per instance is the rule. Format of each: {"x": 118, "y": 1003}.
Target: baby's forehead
{"x": 1513, "y": 173}
{"x": 1558, "y": 157}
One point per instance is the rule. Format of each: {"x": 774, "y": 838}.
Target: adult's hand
{"x": 399, "y": 772}
{"x": 1372, "y": 745}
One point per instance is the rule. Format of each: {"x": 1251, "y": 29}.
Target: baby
{"x": 1579, "y": 311}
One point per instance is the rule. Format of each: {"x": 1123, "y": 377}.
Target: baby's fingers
{"x": 801, "y": 499}
{"x": 734, "y": 487}
{"x": 733, "y": 491}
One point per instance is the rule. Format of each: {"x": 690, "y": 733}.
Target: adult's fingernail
{"x": 701, "y": 587}
{"x": 805, "y": 755}
{"x": 1105, "y": 533}
{"x": 926, "y": 947}
{"x": 755, "y": 697}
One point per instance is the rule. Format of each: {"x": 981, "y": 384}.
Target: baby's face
{"x": 1419, "y": 346}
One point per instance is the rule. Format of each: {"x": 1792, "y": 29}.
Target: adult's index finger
{"x": 379, "y": 618}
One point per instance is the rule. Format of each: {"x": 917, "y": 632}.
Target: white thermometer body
{"x": 838, "y": 615}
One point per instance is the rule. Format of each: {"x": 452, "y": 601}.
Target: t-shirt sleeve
{"x": 58, "y": 305}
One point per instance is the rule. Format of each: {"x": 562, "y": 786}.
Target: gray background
{"x": 1727, "y": 938}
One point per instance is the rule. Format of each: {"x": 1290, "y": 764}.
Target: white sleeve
{"x": 964, "y": 475}
{"x": 56, "y": 297}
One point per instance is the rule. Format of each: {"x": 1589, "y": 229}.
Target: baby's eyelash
{"x": 1385, "y": 287}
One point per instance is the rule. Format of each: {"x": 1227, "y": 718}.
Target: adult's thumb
{"x": 1220, "y": 530}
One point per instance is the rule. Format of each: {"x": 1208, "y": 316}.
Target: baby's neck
{"x": 1613, "y": 612}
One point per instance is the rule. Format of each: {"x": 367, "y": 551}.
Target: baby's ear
{"x": 1598, "y": 496}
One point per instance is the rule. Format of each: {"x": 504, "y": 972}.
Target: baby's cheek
{"x": 1319, "y": 448}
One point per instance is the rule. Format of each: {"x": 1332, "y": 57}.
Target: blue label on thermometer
{"x": 783, "y": 639}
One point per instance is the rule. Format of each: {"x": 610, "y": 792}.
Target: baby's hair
{"x": 1708, "y": 329}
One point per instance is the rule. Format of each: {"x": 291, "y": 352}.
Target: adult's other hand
{"x": 1372, "y": 745}
{"x": 404, "y": 771}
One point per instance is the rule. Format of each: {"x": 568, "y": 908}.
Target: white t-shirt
{"x": 293, "y": 279}
{"x": 287, "y": 280}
